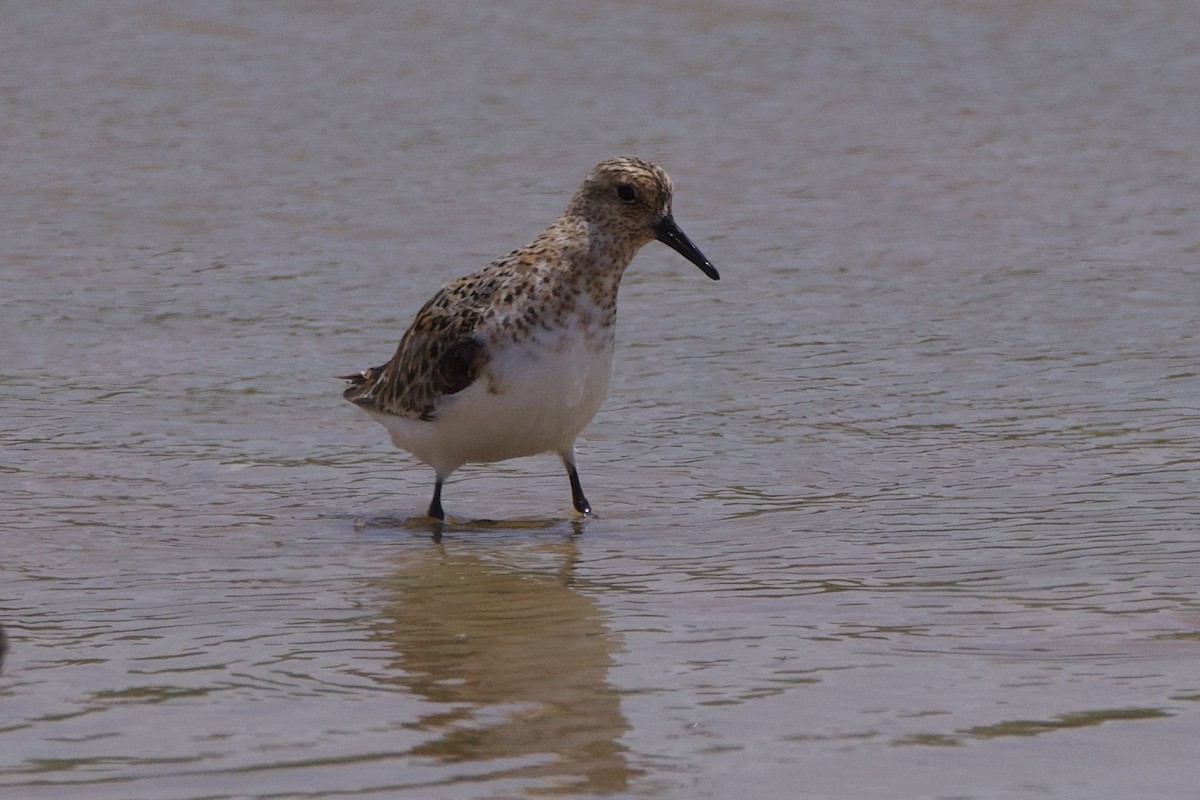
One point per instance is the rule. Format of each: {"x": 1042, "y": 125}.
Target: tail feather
{"x": 361, "y": 384}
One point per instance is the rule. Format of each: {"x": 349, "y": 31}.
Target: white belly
{"x": 534, "y": 397}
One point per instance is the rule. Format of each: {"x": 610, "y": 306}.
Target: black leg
{"x": 435, "y": 505}
{"x": 580, "y": 502}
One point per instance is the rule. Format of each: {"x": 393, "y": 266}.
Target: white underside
{"x": 535, "y": 397}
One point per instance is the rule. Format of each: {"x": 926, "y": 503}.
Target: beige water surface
{"x": 905, "y": 506}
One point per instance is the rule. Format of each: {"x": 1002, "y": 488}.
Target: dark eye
{"x": 626, "y": 193}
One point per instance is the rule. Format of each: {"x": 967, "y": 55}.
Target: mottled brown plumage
{"x": 496, "y": 330}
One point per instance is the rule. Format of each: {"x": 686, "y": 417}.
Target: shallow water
{"x": 904, "y": 506}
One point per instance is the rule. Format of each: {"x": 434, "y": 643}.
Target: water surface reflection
{"x": 517, "y": 659}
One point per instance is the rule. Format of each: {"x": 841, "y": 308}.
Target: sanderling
{"x": 514, "y": 360}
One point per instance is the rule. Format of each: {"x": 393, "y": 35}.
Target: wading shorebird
{"x": 514, "y": 360}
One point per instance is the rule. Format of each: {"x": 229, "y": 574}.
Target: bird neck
{"x": 592, "y": 259}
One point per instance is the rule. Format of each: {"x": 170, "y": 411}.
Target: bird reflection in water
{"x": 518, "y": 656}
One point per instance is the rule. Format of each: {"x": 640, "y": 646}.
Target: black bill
{"x": 669, "y": 234}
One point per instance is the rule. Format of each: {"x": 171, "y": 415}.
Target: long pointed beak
{"x": 667, "y": 232}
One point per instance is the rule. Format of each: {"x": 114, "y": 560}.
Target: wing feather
{"x": 441, "y": 354}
